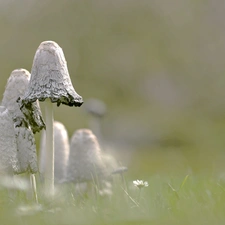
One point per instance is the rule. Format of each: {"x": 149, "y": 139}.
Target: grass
{"x": 190, "y": 199}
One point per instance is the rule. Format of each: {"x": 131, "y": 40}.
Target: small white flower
{"x": 140, "y": 183}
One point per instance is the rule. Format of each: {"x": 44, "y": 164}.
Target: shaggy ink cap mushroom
{"x": 50, "y": 77}
{"x": 24, "y": 126}
{"x": 14, "y": 90}
{"x": 50, "y": 81}
{"x": 85, "y": 159}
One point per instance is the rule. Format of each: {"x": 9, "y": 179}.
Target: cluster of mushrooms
{"x": 79, "y": 160}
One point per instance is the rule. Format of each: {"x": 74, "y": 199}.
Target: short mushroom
{"x": 61, "y": 143}
{"x": 87, "y": 163}
{"x": 50, "y": 80}
{"x": 85, "y": 160}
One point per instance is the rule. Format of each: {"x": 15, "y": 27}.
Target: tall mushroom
{"x": 50, "y": 82}
{"x": 61, "y": 143}
{"x": 24, "y": 126}
{"x": 26, "y": 147}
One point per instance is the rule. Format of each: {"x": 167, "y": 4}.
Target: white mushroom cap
{"x": 61, "y": 143}
{"x": 8, "y": 148}
{"x": 85, "y": 162}
{"x": 50, "y": 77}
{"x": 15, "y": 89}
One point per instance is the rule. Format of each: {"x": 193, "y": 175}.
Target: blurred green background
{"x": 157, "y": 65}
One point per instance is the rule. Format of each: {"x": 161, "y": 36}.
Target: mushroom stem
{"x": 34, "y": 187}
{"x": 49, "y": 162}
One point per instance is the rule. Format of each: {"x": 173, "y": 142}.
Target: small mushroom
{"x": 85, "y": 161}
{"x": 88, "y": 164}
{"x": 50, "y": 80}
{"x": 61, "y": 143}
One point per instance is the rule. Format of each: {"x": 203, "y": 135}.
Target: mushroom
{"x": 85, "y": 161}
{"x": 86, "y": 165}
{"x": 61, "y": 143}
{"x": 24, "y": 126}
{"x": 25, "y": 142}
{"x": 50, "y": 80}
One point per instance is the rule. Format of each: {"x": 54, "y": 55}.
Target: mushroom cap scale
{"x": 50, "y": 77}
